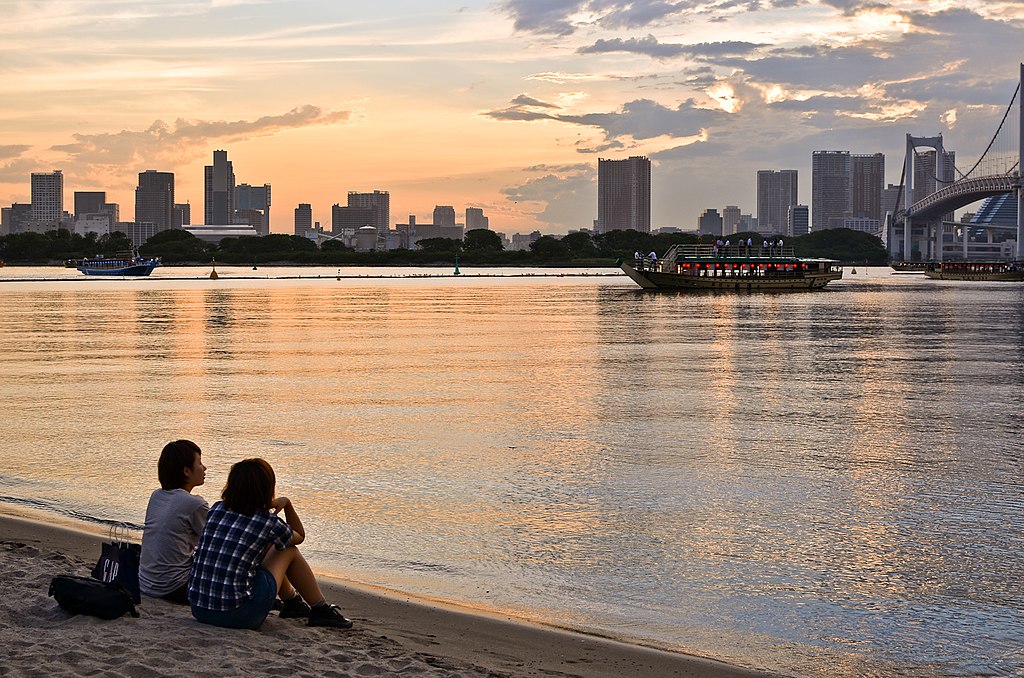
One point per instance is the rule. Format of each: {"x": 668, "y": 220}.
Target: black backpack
{"x": 84, "y": 595}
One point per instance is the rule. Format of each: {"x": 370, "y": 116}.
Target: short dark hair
{"x": 250, "y": 487}
{"x": 174, "y": 458}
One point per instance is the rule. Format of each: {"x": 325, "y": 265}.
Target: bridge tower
{"x": 908, "y": 194}
{"x": 1020, "y": 167}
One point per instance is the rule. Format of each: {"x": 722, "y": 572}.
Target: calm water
{"x": 818, "y": 484}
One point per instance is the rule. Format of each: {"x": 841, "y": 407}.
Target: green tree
{"x": 176, "y": 245}
{"x": 482, "y": 239}
{"x": 439, "y": 245}
{"x": 579, "y": 245}
{"x": 844, "y": 244}
{"x": 549, "y": 248}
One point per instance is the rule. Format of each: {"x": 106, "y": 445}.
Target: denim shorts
{"x": 251, "y": 614}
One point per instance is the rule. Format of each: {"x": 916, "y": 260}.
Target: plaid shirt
{"x": 230, "y": 551}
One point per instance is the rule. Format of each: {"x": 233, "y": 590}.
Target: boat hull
{"x": 1006, "y": 276}
{"x": 656, "y": 280}
{"x": 142, "y": 269}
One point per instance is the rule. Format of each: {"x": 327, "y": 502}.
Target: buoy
{"x": 456, "y": 266}
{"x": 339, "y": 275}
{"x": 854, "y": 271}
{"x": 213, "y": 273}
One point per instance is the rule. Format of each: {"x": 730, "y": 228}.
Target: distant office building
{"x": 254, "y": 198}
{"x": 16, "y": 218}
{"x": 137, "y": 231}
{"x": 710, "y": 222}
{"x": 798, "y": 221}
{"x": 154, "y": 199}
{"x": 351, "y": 218}
{"x": 831, "y": 181}
{"x": 872, "y": 226}
{"x": 522, "y": 241}
{"x": 730, "y": 220}
{"x": 303, "y": 219}
{"x": 89, "y": 202}
{"x": 182, "y": 214}
{"x": 444, "y": 215}
{"x": 624, "y": 195}
{"x": 47, "y": 196}
{"x": 926, "y": 179}
{"x": 219, "y": 190}
{"x": 776, "y": 192}
{"x": 867, "y": 181}
{"x": 214, "y": 233}
{"x": 890, "y": 194}
{"x": 475, "y": 219}
{"x": 379, "y": 202}
{"x": 98, "y": 223}
{"x": 748, "y": 223}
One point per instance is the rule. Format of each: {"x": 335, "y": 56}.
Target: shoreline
{"x": 463, "y": 642}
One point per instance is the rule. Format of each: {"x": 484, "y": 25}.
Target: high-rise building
{"x": 154, "y": 199}
{"x": 303, "y": 219}
{"x": 710, "y": 222}
{"x": 730, "y": 220}
{"x": 868, "y": 179}
{"x": 831, "y": 183}
{"x": 926, "y": 180}
{"x": 89, "y": 202}
{"x": 254, "y": 198}
{"x": 444, "y": 215}
{"x": 624, "y": 195}
{"x": 351, "y": 218}
{"x": 219, "y": 191}
{"x": 182, "y": 214}
{"x": 798, "y": 221}
{"x": 47, "y": 196}
{"x": 379, "y": 202}
{"x": 776, "y": 192}
{"x": 475, "y": 219}
{"x": 891, "y": 194}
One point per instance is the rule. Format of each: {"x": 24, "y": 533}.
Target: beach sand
{"x": 393, "y": 635}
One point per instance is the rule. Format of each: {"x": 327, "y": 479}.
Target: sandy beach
{"x": 392, "y": 636}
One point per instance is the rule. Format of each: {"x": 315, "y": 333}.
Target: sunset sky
{"x": 501, "y": 104}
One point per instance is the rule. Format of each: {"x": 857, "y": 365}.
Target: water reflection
{"x": 813, "y": 483}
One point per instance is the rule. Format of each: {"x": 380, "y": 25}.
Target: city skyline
{"x": 504, "y": 106}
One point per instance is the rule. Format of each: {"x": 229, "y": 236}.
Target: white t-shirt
{"x": 174, "y": 521}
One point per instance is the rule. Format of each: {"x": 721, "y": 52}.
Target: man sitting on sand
{"x": 174, "y": 520}
{"x": 247, "y": 553}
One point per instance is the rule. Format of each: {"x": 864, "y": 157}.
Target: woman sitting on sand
{"x": 247, "y": 554}
{"x": 174, "y": 520}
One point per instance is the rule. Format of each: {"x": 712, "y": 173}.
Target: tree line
{"x": 479, "y": 247}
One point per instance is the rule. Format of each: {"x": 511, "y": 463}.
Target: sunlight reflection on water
{"x": 812, "y": 483}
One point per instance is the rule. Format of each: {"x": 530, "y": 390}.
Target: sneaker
{"x": 329, "y": 615}
{"x": 294, "y": 608}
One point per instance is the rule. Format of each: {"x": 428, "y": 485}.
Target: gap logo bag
{"x": 85, "y": 595}
{"x": 119, "y": 561}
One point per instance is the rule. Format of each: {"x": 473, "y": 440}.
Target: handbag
{"x": 119, "y": 561}
{"x": 84, "y": 595}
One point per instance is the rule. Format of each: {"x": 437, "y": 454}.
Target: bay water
{"x": 823, "y": 483}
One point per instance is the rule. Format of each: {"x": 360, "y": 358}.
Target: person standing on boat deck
{"x": 750, "y": 243}
{"x": 764, "y": 246}
{"x": 174, "y": 520}
{"x": 780, "y": 246}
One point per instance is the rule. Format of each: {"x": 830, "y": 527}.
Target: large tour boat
{"x": 129, "y": 264}
{"x": 708, "y": 267}
{"x": 977, "y": 270}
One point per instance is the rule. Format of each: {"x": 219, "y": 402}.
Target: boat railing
{"x": 677, "y": 252}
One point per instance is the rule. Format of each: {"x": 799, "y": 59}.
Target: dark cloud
{"x": 524, "y": 100}
{"x": 565, "y": 192}
{"x": 660, "y": 50}
{"x": 12, "y": 150}
{"x": 556, "y": 17}
{"x": 185, "y": 138}
{"x": 639, "y": 119}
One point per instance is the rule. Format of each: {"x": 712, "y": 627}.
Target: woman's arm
{"x": 291, "y": 517}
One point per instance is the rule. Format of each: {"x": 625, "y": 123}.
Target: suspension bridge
{"x": 932, "y": 186}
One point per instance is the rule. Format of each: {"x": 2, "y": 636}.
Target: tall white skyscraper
{"x": 624, "y": 195}
{"x": 831, "y": 187}
{"x": 47, "y": 196}
{"x": 776, "y": 192}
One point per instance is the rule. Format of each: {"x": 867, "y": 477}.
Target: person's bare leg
{"x": 290, "y": 569}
